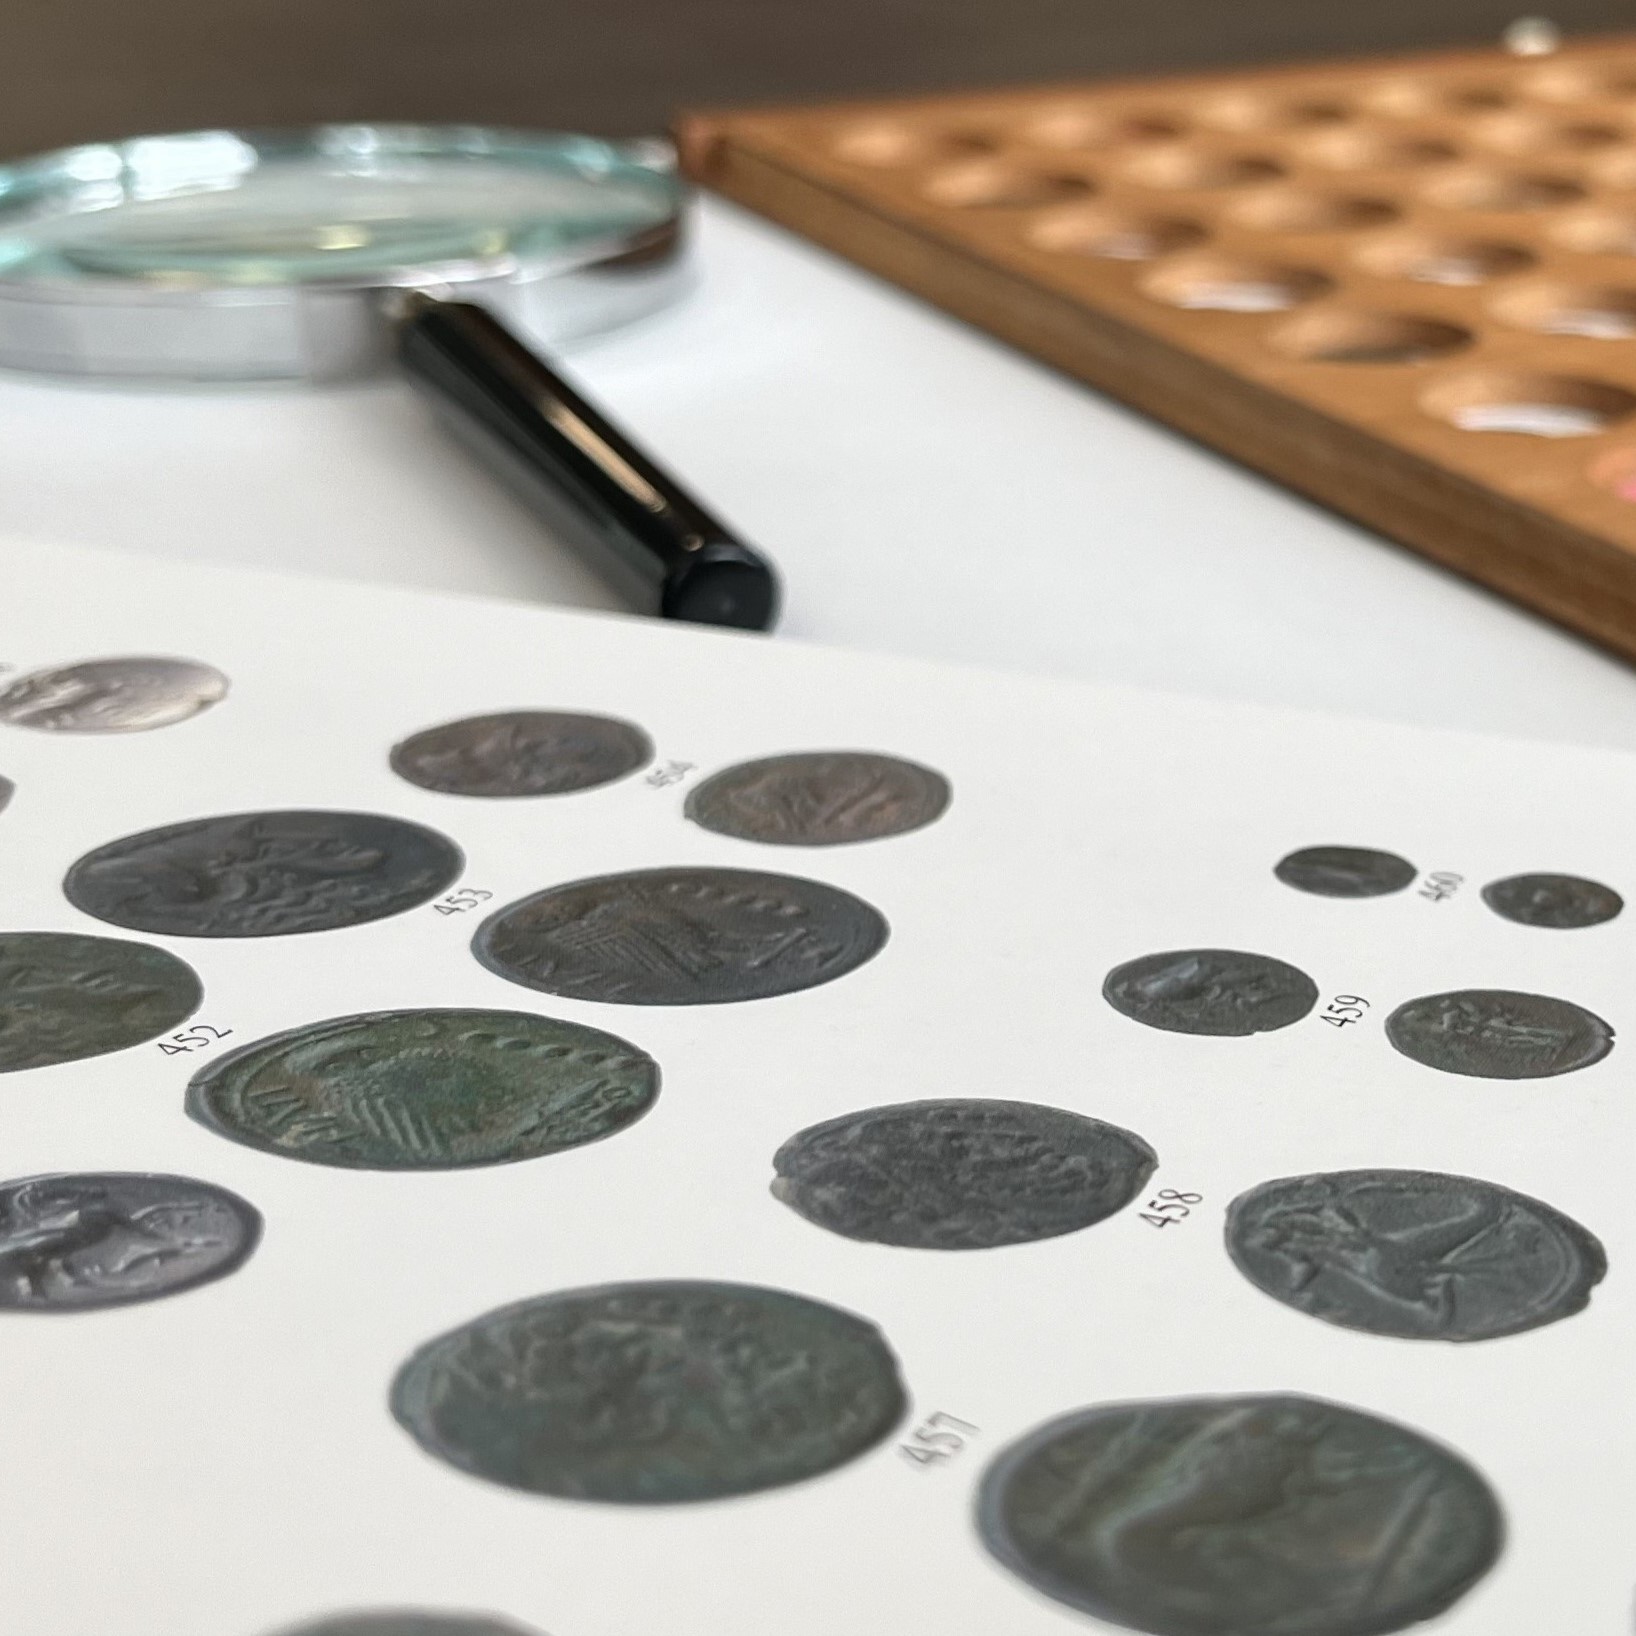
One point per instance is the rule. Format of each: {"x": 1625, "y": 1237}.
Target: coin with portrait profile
{"x": 125, "y": 695}
{"x": 522, "y": 753}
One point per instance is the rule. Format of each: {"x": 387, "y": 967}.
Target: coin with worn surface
{"x": 1495, "y": 1033}
{"x": 112, "y": 695}
{"x": 64, "y": 997}
{"x": 652, "y": 1393}
{"x": 73, "y": 1243}
{"x": 1413, "y": 1253}
{"x": 1210, "y": 991}
{"x": 264, "y": 874}
{"x": 1345, "y": 871}
{"x": 522, "y": 752}
{"x": 960, "y": 1175}
{"x": 824, "y": 798}
{"x": 1560, "y": 902}
{"x": 681, "y": 937}
{"x": 1240, "y": 1516}
{"x": 7, "y": 790}
{"x": 425, "y": 1090}
{"x": 407, "y": 1622}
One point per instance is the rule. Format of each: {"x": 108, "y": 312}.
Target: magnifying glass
{"x": 218, "y": 257}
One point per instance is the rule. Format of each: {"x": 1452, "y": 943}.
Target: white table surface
{"x": 923, "y": 489}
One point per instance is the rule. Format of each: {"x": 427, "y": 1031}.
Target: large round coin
{"x": 1496, "y": 1033}
{"x": 264, "y": 874}
{"x": 1414, "y": 1254}
{"x": 1560, "y": 902}
{"x": 652, "y": 1393}
{"x": 64, "y": 996}
{"x": 1345, "y": 871}
{"x": 827, "y": 798}
{"x": 76, "y": 1242}
{"x": 960, "y": 1175}
{"x": 522, "y": 752}
{"x": 112, "y": 695}
{"x": 680, "y": 937}
{"x": 1240, "y": 1516}
{"x": 406, "y": 1622}
{"x": 1210, "y": 991}
{"x": 425, "y": 1090}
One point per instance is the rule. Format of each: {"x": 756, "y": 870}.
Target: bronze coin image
{"x": 409, "y": 1622}
{"x": 652, "y": 1393}
{"x": 65, "y": 997}
{"x": 131, "y": 695}
{"x": 1560, "y": 902}
{"x": 1345, "y": 871}
{"x": 522, "y": 752}
{"x": 1499, "y": 1034}
{"x": 264, "y": 874}
{"x": 1413, "y": 1254}
{"x": 1210, "y": 991}
{"x": 1240, "y": 1516}
{"x": 960, "y": 1175}
{"x": 681, "y": 937}
{"x": 425, "y": 1090}
{"x": 825, "y": 798}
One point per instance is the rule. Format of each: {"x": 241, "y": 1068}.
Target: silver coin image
{"x": 652, "y": 1393}
{"x": 1210, "y": 991}
{"x": 1413, "y": 1254}
{"x": 1240, "y": 1516}
{"x": 1559, "y": 902}
{"x": 1345, "y": 871}
{"x": 7, "y": 790}
{"x": 823, "y": 798}
{"x": 76, "y": 1243}
{"x": 522, "y": 752}
{"x": 264, "y": 874}
{"x": 1499, "y": 1034}
{"x": 131, "y": 695}
{"x": 960, "y": 1175}
{"x": 407, "y": 1622}
{"x": 681, "y": 937}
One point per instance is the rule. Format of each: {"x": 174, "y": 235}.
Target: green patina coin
{"x": 425, "y": 1090}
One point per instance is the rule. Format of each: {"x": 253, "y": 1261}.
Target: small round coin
{"x": 1413, "y": 1254}
{"x": 1560, "y": 902}
{"x": 264, "y": 874}
{"x": 64, "y": 997}
{"x": 652, "y": 1393}
{"x": 522, "y": 752}
{"x": 1345, "y": 871}
{"x": 960, "y": 1175}
{"x": 1210, "y": 991}
{"x": 112, "y": 695}
{"x": 408, "y": 1622}
{"x": 680, "y": 937}
{"x": 75, "y": 1243}
{"x": 824, "y": 798}
{"x": 1240, "y": 1516}
{"x": 1493, "y": 1033}
{"x": 425, "y": 1090}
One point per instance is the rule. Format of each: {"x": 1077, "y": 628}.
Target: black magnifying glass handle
{"x": 632, "y": 520}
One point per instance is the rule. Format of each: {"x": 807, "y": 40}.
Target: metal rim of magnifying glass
{"x": 201, "y": 331}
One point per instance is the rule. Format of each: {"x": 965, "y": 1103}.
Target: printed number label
{"x": 673, "y": 772}
{"x": 193, "y": 1039}
{"x": 1441, "y": 885}
{"x": 457, "y": 903}
{"x": 937, "y": 1439}
{"x": 1344, "y": 1009}
{"x": 1168, "y": 1207}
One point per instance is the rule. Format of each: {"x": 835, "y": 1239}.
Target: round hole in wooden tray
{"x": 1114, "y": 235}
{"x": 1578, "y": 83}
{"x": 995, "y": 185}
{"x": 1430, "y": 258}
{"x": 1249, "y": 112}
{"x": 1528, "y": 405}
{"x": 1218, "y": 283}
{"x": 1479, "y": 96}
{"x": 1539, "y": 133}
{"x": 1364, "y": 149}
{"x": 1181, "y": 168}
{"x": 1598, "y": 232}
{"x": 1300, "y": 210}
{"x": 1479, "y": 188}
{"x": 1337, "y": 336}
{"x": 1596, "y": 312}
{"x": 887, "y": 144}
{"x": 1073, "y": 126}
{"x": 1615, "y": 471}
{"x": 1617, "y": 169}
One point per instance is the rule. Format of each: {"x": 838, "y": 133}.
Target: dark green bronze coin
{"x": 522, "y": 752}
{"x": 64, "y": 996}
{"x": 652, "y": 1393}
{"x": 1210, "y": 991}
{"x": 406, "y": 1622}
{"x": 425, "y": 1090}
{"x": 1493, "y": 1033}
{"x": 1345, "y": 871}
{"x": 1240, "y": 1516}
{"x": 1560, "y": 902}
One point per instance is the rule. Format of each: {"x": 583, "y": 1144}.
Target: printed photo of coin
{"x": 680, "y": 937}
{"x": 112, "y": 695}
{"x": 1210, "y": 991}
{"x": 1560, "y": 902}
{"x": 822, "y": 798}
{"x": 1413, "y": 1253}
{"x": 652, "y": 1393}
{"x": 406, "y": 1622}
{"x": 7, "y": 790}
{"x": 74, "y": 1243}
{"x": 425, "y": 1090}
{"x": 64, "y": 997}
{"x": 1493, "y": 1033}
{"x": 522, "y": 752}
{"x": 960, "y": 1175}
{"x": 264, "y": 874}
{"x": 1240, "y": 1516}
{"x": 1345, "y": 871}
